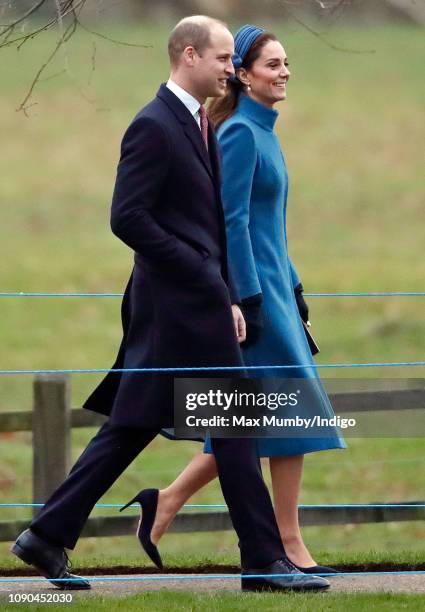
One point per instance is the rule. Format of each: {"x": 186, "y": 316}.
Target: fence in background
{"x": 52, "y": 419}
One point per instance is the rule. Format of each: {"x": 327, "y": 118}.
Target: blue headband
{"x": 244, "y": 39}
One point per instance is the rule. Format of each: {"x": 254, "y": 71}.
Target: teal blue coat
{"x": 254, "y": 195}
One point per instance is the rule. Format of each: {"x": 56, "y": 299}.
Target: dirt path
{"x": 404, "y": 583}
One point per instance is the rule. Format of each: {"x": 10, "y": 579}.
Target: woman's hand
{"x": 239, "y": 321}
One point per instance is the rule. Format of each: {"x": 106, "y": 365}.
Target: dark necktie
{"x": 204, "y": 124}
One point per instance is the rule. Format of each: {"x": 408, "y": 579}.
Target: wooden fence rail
{"x": 52, "y": 420}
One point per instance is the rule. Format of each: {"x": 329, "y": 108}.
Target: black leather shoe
{"x": 316, "y": 569}
{"x": 50, "y": 561}
{"x": 292, "y": 580}
{"x": 148, "y": 500}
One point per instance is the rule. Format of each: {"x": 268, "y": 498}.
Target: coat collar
{"x": 190, "y": 127}
{"x": 191, "y": 103}
{"x": 262, "y": 115}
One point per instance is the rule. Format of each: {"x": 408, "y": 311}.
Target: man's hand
{"x": 239, "y": 321}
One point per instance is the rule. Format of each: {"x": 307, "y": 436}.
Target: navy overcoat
{"x": 176, "y": 311}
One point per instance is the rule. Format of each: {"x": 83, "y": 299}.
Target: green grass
{"x": 241, "y": 602}
{"x": 131, "y": 558}
{"x": 352, "y": 132}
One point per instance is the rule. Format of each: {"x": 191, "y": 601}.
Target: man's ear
{"x": 242, "y": 76}
{"x": 188, "y": 55}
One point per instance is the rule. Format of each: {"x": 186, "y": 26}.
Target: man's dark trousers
{"x": 113, "y": 448}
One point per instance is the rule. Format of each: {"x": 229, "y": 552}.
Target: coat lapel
{"x": 188, "y": 122}
{"x": 193, "y": 132}
{"x": 214, "y": 154}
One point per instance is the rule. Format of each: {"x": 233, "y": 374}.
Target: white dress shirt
{"x": 188, "y": 100}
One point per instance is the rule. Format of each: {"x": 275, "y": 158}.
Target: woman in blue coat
{"x": 254, "y": 194}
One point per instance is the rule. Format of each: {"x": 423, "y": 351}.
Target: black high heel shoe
{"x": 148, "y": 500}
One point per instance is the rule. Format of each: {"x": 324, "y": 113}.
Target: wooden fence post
{"x": 51, "y": 434}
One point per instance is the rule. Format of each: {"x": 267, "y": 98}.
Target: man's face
{"x": 213, "y": 67}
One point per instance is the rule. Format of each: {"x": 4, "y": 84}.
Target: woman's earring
{"x": 248, "y": 87}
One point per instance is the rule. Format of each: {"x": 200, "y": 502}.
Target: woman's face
{"x": 268, "y": 75}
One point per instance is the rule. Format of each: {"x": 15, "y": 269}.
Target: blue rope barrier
{"x": 301, "y": 506}
{"x": 353, "y": 294}
{"x": 208, "y": 576}
{"x": 215, "y": 368}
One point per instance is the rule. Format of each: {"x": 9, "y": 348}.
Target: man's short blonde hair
{"x": 194, "y": 32}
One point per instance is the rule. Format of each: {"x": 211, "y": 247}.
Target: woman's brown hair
{"x": 222, "y": 108}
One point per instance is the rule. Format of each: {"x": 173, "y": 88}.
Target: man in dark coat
{"x": 177, "y": 312}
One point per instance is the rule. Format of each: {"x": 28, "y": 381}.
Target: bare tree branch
{"x": 64, "y": 9}
{"x": 32, "y": 10}
{"x": 68, "y": 31}
{"x": 69, "y": 7}
{"x": 112, "y": 40}
{"x": 320, "y": 36}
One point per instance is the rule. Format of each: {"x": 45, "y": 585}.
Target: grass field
{"x": 237, "y": 602}
{"x": 240, "y": 603}
{"x": 352, "y": 132}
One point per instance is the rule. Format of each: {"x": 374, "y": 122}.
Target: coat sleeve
{"x": 142, "y": 170}
{"x": 239, "y": 158}
{"x": 294, "y": 274}
{"x": 231, "y": 286}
